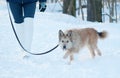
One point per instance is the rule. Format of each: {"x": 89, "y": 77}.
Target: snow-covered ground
{"x": 52, "y": 65}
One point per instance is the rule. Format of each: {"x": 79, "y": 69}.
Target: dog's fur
{"x": 74, "y": 39}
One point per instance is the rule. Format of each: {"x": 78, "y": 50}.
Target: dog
{"x": 73, "y": 40}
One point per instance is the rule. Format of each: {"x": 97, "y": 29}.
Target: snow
{"x": 52, "y": 65}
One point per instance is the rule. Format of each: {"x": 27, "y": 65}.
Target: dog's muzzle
{"x": 64, "y": 47}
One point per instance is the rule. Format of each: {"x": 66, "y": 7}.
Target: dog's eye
{"x": 67, "y": 41}
{"x": 66, "y": 34}
{"x": 62, "y": 41}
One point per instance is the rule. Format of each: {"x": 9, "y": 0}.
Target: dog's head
{"x": 65, "y": 39}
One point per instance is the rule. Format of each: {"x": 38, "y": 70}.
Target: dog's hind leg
{"x": 98, "y": 51}
{"x": 91, "y": 51}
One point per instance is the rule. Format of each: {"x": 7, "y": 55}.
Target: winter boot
{"x": 21, "y": 36}
{"x": 28, "y": 33}
{"x": 25, "y": 33}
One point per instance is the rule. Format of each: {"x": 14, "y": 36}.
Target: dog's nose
{"x": 64, "y": 47}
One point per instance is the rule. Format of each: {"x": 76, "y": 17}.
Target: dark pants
{"x": 21, "y": 11}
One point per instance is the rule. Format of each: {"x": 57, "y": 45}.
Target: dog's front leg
{"x": 66, "y": 55}
{"x": 71, "y": 58}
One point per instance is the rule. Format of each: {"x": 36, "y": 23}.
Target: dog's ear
{"x": 69, "y": 33}
{"x": 61, "y": 34}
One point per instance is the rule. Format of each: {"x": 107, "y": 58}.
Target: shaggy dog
{"x": 74, "y": 39}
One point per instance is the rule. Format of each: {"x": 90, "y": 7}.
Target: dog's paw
{"x": 92, "y": 56}
{"x": 64, "y": 57}
{"x": 69, "y": 63}
{"x": 99, "y": 53}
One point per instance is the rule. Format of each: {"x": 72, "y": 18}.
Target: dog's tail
{"x": 102, "y": 34}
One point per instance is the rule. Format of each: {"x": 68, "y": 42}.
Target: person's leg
{"x": 17, "y": 12}
{"x": 29, "y": 11}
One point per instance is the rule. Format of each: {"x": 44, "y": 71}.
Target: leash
{"x": 19, "y": 40}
